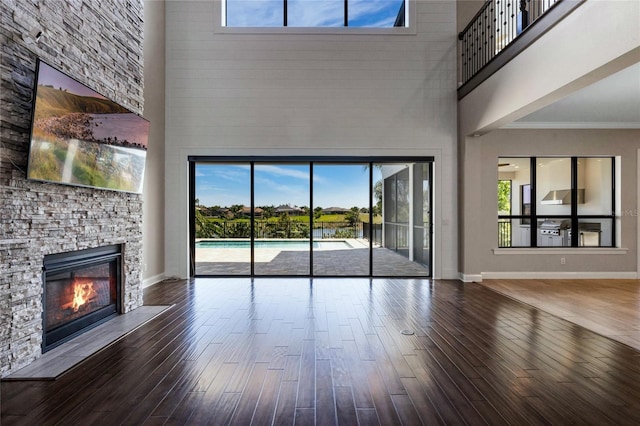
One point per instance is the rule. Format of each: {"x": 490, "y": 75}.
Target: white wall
{"x": 482, "y": 240}
{"x": 296, "y": 93}
{"x": 154, "y": 110}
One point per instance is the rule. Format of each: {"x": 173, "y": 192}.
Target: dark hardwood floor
{"x": 332, "y": 351}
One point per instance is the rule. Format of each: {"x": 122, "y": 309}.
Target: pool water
{"x": 275, "y": 244}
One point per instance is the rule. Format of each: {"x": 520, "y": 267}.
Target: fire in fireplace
{"x": 81, "y": 291}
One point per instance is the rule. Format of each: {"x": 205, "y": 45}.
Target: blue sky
{"x": 311, "y": 13}
{"x": 334, "y": 185}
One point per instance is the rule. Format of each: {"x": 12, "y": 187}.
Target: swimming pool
{"x": 275, "y": 244}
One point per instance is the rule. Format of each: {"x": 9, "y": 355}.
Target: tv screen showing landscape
{"x": 79, "y": 137}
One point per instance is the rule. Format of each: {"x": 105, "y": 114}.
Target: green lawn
{"x": 327, "y": 218}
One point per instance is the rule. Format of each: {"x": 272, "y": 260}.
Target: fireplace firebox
{"x": 81, "y": 290}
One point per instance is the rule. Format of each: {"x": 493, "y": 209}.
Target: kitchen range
{"x": 557, "y": 233}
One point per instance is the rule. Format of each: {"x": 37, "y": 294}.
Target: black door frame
{"x": 312, "y": 160}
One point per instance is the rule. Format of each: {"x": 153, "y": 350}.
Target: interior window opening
{"x": 557, "y": 202}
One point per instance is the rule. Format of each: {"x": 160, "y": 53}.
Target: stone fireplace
{"x": 81, "y": 289}
{"x": 39, "y": 221}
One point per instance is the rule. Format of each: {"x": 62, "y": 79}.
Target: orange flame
{"x": 82, "y": 293}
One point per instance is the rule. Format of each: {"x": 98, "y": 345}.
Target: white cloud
{"x": 232, "y": 173}
{"x": 282, "y": 171}
{"x": 270, "y": 192}
{"x": 254, "y": 13}
{"x": 315, "y": 13}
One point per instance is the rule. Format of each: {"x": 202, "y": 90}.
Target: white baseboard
{"x": 469, "y": 278}
{"x": 148, "y": 282}
{"x": 559, "y": 275}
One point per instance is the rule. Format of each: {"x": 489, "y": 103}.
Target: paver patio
{"x": 273, "y": 261}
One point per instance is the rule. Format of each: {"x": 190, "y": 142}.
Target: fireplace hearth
{"x": 81, "y": 290}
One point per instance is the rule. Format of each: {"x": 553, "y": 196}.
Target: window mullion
{"x": 346, "y": 13}
{"x": 311, "y": 218}
{"x": 534, "y": 218}
{"x": 614, "y": 241}
{"x": 284, "y": 12}
{"x": 252, "y": 224}
{"x": 371, "y": 218}
{"x": 574, "y": 202}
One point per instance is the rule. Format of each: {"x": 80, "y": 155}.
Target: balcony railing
{"x": 504, "y": 233}
{"x": 495, "y": 26}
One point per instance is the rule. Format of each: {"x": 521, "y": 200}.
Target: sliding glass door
{"x": 341, "y": 201}
{"x": 281, "y": 238}
{"x": 222, "y": 219}
{"x": 405, "y": 193}
{"x": 311, "y": 217}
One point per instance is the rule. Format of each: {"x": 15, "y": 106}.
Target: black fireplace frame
{"x": 68, "y": 261}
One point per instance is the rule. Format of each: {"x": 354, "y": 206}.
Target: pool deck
{"x": 261, "y": 254}
{"x": 278, "y": 261}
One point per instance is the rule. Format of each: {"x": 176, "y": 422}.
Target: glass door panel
{"x": 281, "y": 228}
{"x": 223, "y": 194}
{"x": 422, "y": 214}
{"x": 341, "y": 216}
{"x": 404, "y": 234}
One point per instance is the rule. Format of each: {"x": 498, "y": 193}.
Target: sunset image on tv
{"x": 79, "y": 137}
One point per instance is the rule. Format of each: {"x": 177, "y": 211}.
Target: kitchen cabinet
{"x": 549, "y": 241}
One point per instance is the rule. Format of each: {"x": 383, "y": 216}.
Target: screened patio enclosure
{"x": 318, "y": 217}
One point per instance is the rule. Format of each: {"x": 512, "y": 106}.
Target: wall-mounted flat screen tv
{"x": 79, "y": 137}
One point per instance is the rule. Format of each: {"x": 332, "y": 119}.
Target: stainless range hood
{"x": 562, "y": 196}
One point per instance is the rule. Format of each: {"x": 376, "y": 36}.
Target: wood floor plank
{"x": 213, "y": 396}
{"x": 406, "y": 410}
{"x": 340, "y": 368}
{"x": 345, "y": 406}
{"x": 357, "y": 373}
{"x": 266, "y": 405}
{"x": 250, "y": 395}
{"x": 368, "y": 416}
{"x": 446, "y": 409}
{"x": 223, "y": 411}
{"x": 185, "y": 409}
{"x": 291, "y": 370}
{"x": 307, "y": 380}
{"x": 305, "y": 417}
{"x": 382, "y": 398}
{"x": 426, "y": 410}
{"x": 386, "y": 367}
{"x": 286, "y": 405}
{"x": 325, "y": 398}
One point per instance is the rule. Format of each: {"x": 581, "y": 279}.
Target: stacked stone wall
{"x": 99, "y": 43}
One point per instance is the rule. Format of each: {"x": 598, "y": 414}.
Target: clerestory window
{"x": 314, "y": 13}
